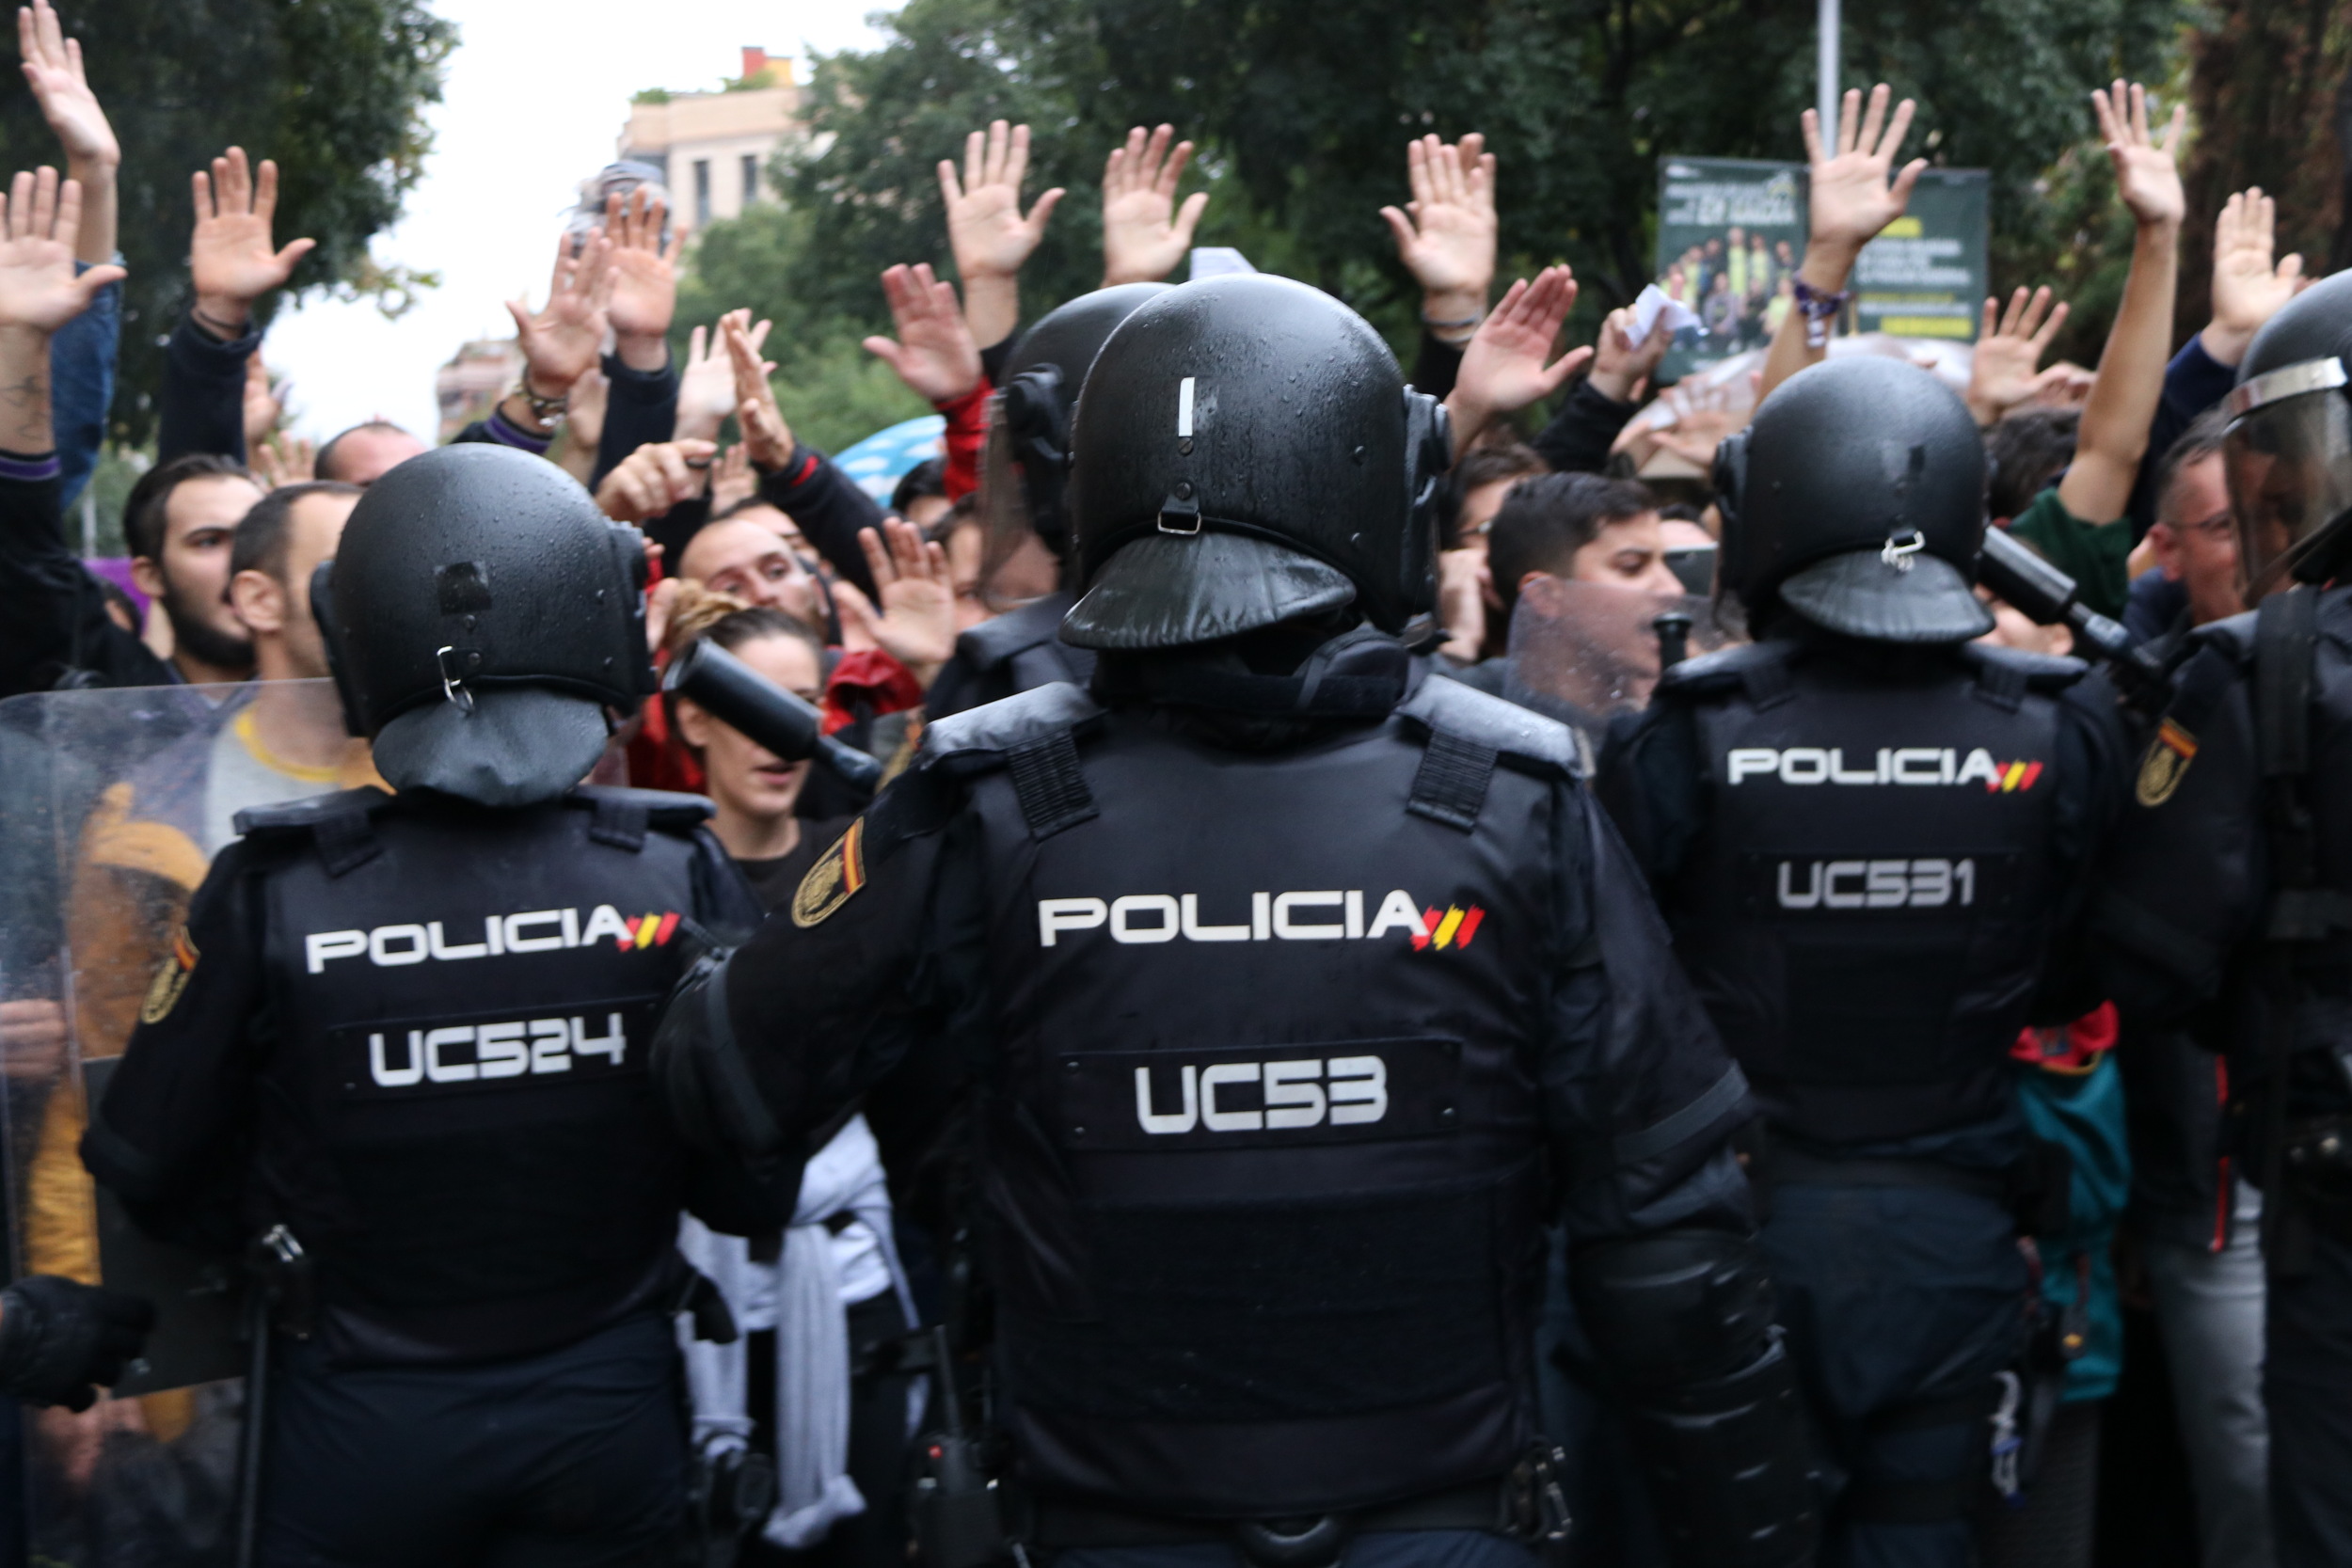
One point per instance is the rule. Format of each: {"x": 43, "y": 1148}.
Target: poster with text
{"x": 1730, "y": 232}
{"x": 1924, "y": 276}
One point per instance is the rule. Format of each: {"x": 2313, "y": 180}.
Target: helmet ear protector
{"x": 1037, "y": 419}
{"x": 1428, "y": 455}
{"x": 631, "y": 572}
{"x": 1731, "y": 482}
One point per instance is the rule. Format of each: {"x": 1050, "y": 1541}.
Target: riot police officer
{"x": 2229, "y": 888}
{"x": 407, "y": 1038}
{"x": 1022, "y": 491}
{"x": 1867, "y": 831}
{"x": 1299, "y": 985}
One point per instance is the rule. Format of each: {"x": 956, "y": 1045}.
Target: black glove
{"x": 57, "y": 1338}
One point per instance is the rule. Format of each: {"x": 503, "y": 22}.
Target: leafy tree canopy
{"x": 334, "y": 90}
{"x": 1302, "y": 112}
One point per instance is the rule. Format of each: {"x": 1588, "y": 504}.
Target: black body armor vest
{"x": 1866, "y": 909}
{"x": 1012, "y": 653}
{"x": 456, "y": 1120}
{"x": 1261, "y": 1131}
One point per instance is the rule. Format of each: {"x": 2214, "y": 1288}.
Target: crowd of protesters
{"x": 768, "y": 549}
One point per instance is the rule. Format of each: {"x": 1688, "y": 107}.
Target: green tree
{"x": 334, "y": 90}
{"x": 1302, "y": 115}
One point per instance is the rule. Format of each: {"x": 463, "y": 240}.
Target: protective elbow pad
{"x": 1730, "y": 1466}
{"x": 699, "y": 1070}
{"x": 1682, "y": 1322}
{"x": 1673, "y": 1308}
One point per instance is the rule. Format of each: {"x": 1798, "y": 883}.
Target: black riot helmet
{"x": 480, "y": 615}
{"x": 2288, "y": 454}
{"x": 1856, "y": 499}
{"x": 1030, "y": 425}
{"x": 1245, "y": 451}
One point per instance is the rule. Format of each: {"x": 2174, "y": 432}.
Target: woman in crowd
{"x": 811, "y": 1300}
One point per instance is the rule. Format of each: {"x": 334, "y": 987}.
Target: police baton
{"x": 784, "y": 723}
{"x": 2049, "y": 598}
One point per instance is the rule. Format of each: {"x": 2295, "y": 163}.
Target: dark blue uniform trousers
{"x": 572, "y": 1459}
{"x": 1895, "y": 1297}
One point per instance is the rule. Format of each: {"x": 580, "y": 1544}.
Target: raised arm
{"x": 1852, "y": 200}
{"x": 2115, "y": 421}
{"x": 986, "y": 230}
{"x": 53, "y": 69}
{"x": 1503, "y": 369}
{"x": 39, "y": 292}
{"x": 1145, "y": 234}
{"x": 1445, "y": 235}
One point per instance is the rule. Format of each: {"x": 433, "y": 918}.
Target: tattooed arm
{"x": 39, "y": 293}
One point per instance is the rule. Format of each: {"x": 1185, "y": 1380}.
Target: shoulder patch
{"x": 1000, "y": 726}
{"x": 1444, "y": 705}
{"x": 171, "y": 978}
{"x": 2166, "y": 765}
{"x": 833, "y": 880}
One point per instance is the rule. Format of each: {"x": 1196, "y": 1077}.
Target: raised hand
{"x": 1502, "y": 369}
{"x": 1144, "y": 233}
{"x": 933, "y": 353}
{"x": 281, "y": 460}
{"x": 654, "y": 478}
{"x": 706, "y": 393}
{"x": 2006, "y": 371}
{"x": 1621, "y": 366}
{"x": 985, "y": 228}
{"x": 644, "y": 277}
{"x": 263, "y": 406}
{"x": 2248, "y": 289}
{"x": 917, "y": 622}
{"x": 53, "y": 69}
{"x": 229, "y": 258}
{"x": 2145, "y": 175}
{"x": 767, "y": 439}
{"x": 732, "y": 480}
{"x": 1852, "y": 198}
{"x": 561, "y": 341}
{"x": 1448, "y": 239}
{"x": 39, "y": 291}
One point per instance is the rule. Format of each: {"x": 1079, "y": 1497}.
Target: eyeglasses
{"x": 2215, "y": 527}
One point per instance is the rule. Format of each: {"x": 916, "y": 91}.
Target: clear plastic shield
{"x": 1016, "y": 566}
{"x": 117, "y": 803}
{"x": 1587, "y": 652}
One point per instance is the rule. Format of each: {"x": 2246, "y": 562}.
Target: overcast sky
{"x": 535, "y": 99}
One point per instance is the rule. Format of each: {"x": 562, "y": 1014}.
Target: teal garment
{"x": 2085, "y": 1112}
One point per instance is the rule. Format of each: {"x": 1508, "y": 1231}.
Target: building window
{"x": 750, "y": 178}
{"x": 702, "y": 193}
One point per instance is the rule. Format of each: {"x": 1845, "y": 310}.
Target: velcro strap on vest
{"x": 1051, "y": 787}
{"x": 2285, "y": 630}
{"x": 1670, "y": 1132}
{"x": 2003, "y": 685}
{"x": 346, "y": 841}
{"x": 619, "y": 823}
{"x": 1451, "y": 786}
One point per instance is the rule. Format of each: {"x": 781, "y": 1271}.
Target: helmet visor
{"x": 2288, "y": 458}
{"x": 1016, "y": 567}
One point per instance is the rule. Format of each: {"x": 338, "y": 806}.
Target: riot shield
{"x": 117, "y": 801}
{"x": 1587, "y": 652}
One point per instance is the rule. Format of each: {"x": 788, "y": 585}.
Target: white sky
{"x": 528, "y": 111}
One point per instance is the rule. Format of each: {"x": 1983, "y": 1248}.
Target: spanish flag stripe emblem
{"x": 853, "y": 857}
{"x": 1446, "y": 928}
